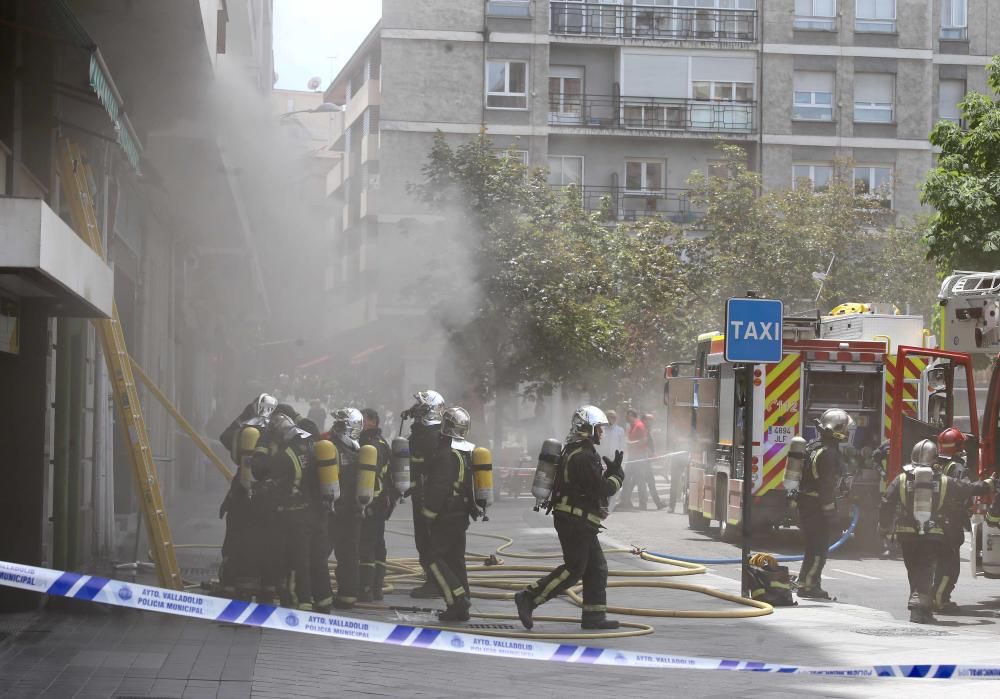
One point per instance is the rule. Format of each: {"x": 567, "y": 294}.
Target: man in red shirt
{"x": 637, "y": 439}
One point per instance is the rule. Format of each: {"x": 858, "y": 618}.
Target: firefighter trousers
{"x": 420, "y": 531}
{"x": 296, "y": 588}
{"x": 920, "y": 555}
{"x": 583, "y": 560}
{"x": 346, "y": 535}
{"x": 239, "y": 572}
{"x": 372, "y": 551}
{"x": 270, "y": 556}
{"x": 319, "y": 558}
{"x": 815, "y": 527}
{"x": 446, "y": 541}
{"x": 949, "y": 564}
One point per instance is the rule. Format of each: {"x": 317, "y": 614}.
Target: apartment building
{"x": 625, "y": 98}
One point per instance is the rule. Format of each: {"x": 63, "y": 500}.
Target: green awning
{"x": 100, "y": 80}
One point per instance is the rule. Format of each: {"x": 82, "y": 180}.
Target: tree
{"x": 964, "y": 188}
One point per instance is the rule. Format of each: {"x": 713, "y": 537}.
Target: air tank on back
{"x": 328, "y": 469}
{"x": 795, "y": 464}
{"x": 482, "y": 478}
{"x": 545, "y": 471}
{"x": 367, "y": 466}
{"x": 400, "y": 465}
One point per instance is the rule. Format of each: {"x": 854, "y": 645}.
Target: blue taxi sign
{"x": 753, "y": 330}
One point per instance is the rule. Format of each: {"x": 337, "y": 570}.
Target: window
{"x": 950, "y": 94}
{"x": 954, "y": 19}
{"x": 875, "y": 16}
{"x": 875, "y": 182}
{"x": 816, "y": 14}
{"x": 520, "y": 156}
{"x": 565, "y": 95}
{"x": 873, "y": 97}
{"x": 506, "y": 84}
{"x": 508, "y": 8}
{"x": 565, "y": 169}
{"x": 722, "y": 91}
{"x": 700, "y": 18}
{"x": 644, "y": 176}
{"x": 819, "y": 176}
{"x": 813, "y": 96}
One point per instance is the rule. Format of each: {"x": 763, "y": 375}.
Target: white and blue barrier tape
{"x": 187, "y": 604}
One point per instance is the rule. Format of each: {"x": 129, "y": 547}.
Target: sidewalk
{"x": 119, "y": 653}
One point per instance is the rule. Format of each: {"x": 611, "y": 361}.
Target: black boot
{"x": 366, "y": 577}
{"x": 524, "y": 608}
{"x": 458, "y": 611}
{"x": 428, "y": 590}
{"x": 598, "y": 621}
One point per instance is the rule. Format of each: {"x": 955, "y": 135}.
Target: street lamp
{"x": 320, "y": 109}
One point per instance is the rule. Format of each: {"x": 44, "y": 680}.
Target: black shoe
{"x": 601, "y": 624}
{"x": 524, "y": 608}
{"x": 341, "y": 603}
{"x": 813, "y": 593}
{"x": 660, "y": 506}
{"x": 459, "y": 611}
{"x": 919, "y": 615}
{"x": 426, "y": 591}
{"x": 947, "y": 607}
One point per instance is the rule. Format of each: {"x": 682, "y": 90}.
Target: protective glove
{"x": 615, "y": 467}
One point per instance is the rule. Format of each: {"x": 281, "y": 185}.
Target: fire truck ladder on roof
{"x": 74, "y": 176}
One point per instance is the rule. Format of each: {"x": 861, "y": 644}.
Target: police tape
{"x": 92, "y": 588}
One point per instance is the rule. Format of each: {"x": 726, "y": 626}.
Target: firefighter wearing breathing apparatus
{"x": 578, "y": 502}
{"x": 816, "y": 498}
{"x": 348, "y": 509}
{"x": 448, "y": 503}
{"x": 240, "y": 572}
{"x": 372, "y": 551}
{"x": 914, "y": 505}
{"x": 423, "y": 441}
{"x": 955, "y": 519}
{"x": 286, "y": 473}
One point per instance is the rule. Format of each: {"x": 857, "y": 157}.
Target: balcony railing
{"x": 645, "y": 22}
{"x": 623, "y": 204}
{"x": 651, "y": 113}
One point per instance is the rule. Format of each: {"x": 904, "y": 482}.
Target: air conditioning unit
{"x": 373, "y": 181}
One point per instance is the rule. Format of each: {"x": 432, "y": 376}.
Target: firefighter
{"x": 448, "y": 502}
{"x": 579, "y": 502}
{"x": 914, "y": 506}
{"x": 239, "y": 572}
{"x": 880, "y": 458}
{"x": 955, "y": 520}
{"x": 372, "y": 551}
{"x": 287, "y": 474}
{"x": 424, "y": 438}
{"x": 345, "y": 520}
{"x": 817, "y": 498}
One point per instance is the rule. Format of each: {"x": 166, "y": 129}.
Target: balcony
{"x": 623, "y": 204}
{"x": 661, "y": 114}
{"x": 370, "y": 145}
{"x": 592, "y": 19}
{"x": 336, "y": 177}
{"x": 369, "y": 95}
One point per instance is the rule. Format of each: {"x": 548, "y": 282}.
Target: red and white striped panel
{"x": 843, "y": 356}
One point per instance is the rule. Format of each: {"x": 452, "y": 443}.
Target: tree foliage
{"x": 964, "y": 188}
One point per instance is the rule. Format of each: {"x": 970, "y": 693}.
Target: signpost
{"x": 753, "y": 336}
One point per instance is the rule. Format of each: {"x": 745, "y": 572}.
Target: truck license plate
{"x": 780, "y": 434}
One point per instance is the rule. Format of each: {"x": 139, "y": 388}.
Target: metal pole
{"x": 747, "y": 471}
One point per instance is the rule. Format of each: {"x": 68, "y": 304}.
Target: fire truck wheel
{"x": 697, "y": 521}
{"x": 730, "y": 533}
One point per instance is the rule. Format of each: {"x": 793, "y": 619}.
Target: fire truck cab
{"x": 835, "y": 361}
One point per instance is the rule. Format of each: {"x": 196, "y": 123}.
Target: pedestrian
{"x": 345, "y": 520}
{"x": 914, "y": 507}
{"x": 955, "y": 519}
{"x": 579, "y": 505}
{"x": 372, "y": 551}
{"x": 648, "y": 472}
{"x": 637, "y": 439}
{"x": 317, "y": 414}
{"x": 817, "y": 497}
{"x": 448, "y": 503}
{"x": 424, "y": 439}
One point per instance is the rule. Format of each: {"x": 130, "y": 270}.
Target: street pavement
{"x": 90, "y": 651}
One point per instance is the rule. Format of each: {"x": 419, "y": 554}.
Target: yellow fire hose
{"x": 491, "y": 577}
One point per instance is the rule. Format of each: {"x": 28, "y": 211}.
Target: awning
{"x": 314, "y": 362}
{"x": 100, "y": 80}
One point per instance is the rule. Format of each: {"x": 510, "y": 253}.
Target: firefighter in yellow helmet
{"x": 914, "y": 506}
{"x": 448, "y": 503}
{"x": 579, "y": 503}
{"x": 817, "y": 498}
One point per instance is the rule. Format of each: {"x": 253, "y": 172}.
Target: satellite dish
{"x": 314, "y": 83}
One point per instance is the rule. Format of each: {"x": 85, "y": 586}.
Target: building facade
{"x": 626, "y": 98}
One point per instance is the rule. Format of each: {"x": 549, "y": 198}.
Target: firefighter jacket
{"x": 822, "y": 474}
{"x": 949, "y": 494}
{"x": 286, "y": 475}
{"x": 423, "y": 443}
{"x": 582, "y": 488}
{"x": 448, "y": 482}
{"x": 347, "y": 449}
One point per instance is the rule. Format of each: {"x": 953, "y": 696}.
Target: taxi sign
{"x": 753, "y": 330}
